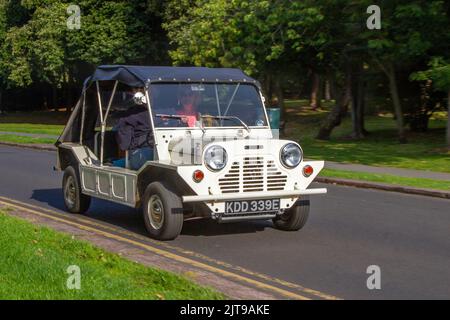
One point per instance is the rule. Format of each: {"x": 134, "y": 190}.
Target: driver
{"x": 188, "y": 101}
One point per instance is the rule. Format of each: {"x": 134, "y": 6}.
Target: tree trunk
{"x": 358, "y": 101}
{"x": 362, "y": 108}
{"x": 448, "y": 120}
{"x": 332, "y": 86}
{"x": 314, "y": 101}
{"x": 54, "y": 98}
{"x": 390, "y": 70}
{"x": 280, "y": 95}
{"x": 69, "y": 95}
{"x": 320, "y": 93}
{"x": 301, "y": 87}
{"x": 334, "y": 118}
{"x": 268, "y": 88}
{"x": 327, "y": 90}
{"x": 356, "y": 128}
{"x": 1, "y": 105}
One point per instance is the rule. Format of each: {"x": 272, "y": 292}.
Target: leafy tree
{"x": 244, "y": 34}
{"x": 439, "y": 74}
{"x": 410, "y": 31}
{"x": 44, "y": 50}
{"x": 3, "y": 29}
{"x": 321, "y": 40}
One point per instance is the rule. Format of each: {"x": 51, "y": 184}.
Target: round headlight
{"x": 216, "y": 158}
{"x": 291, "y": 155}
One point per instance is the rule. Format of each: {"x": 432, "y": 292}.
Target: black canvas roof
{"x": 138, "y": 76}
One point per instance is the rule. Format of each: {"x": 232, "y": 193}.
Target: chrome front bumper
{"x": 252, "y": 195}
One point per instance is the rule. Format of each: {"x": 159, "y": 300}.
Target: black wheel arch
{"x": 169, "y": 177}
{"x": 67, "y": 158}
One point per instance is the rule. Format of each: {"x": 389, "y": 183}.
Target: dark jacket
{"x": 134, "y": 131}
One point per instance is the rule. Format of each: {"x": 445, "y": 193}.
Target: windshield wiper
{"x": 228, "y": 118}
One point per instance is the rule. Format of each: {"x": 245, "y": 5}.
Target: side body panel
{"x": 109, "y": 183}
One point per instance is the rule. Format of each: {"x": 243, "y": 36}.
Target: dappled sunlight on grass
{"x": 424, "y": 151}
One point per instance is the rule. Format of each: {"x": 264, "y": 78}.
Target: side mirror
{"x": 139, "y": 98}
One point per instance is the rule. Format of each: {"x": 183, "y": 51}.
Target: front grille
{"x": 252, "y": 174}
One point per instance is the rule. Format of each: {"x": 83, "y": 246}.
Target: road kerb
{"x": 385, "y": 187}
{"x": 44, "y": 147}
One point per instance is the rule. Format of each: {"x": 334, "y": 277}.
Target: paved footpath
{"x": 328, "y": 164}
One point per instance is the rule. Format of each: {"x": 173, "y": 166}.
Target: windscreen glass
{"x": 206, "y": 105}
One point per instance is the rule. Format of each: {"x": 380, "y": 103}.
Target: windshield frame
{"x": 260, "y": 99}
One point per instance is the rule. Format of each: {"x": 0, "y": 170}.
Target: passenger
{"x": 188, "y": 101}
{"x": 133, "y": 133}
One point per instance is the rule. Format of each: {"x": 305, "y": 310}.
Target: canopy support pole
{"x": 83, "y": 114}
{"x": 111, "y": 100}
{"x": 102, "y": 143}
{"x": 101, "y": 118}
{"x": 217, "y": 99}
{"x": 231, "y": 99}
{"x": 99, "y": 101}
{"x": 149, "y": 106}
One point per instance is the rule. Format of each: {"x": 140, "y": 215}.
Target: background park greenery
{"x": 347, "y": 93}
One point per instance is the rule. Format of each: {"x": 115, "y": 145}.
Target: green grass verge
{"x": 25, "y": 140}
{"x": 34, "y": 262}
{"x": 386, "y": 178}
{"x": 424, "y": 151}
{"x": 32, "y": 128}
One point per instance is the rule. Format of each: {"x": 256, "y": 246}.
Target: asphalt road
{"x": 349, "y": 229}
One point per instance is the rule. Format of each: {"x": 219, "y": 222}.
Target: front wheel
{"x": 295, "y": 218}
{"x": 74, "y": 200}
{"x": 163, "y": 212}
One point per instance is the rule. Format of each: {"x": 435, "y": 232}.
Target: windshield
{"x": 206, "y": 105}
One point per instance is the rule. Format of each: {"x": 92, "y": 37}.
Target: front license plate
{"x": 251, "y": 206}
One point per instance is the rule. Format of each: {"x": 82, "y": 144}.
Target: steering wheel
{"x": 168, "y": 122}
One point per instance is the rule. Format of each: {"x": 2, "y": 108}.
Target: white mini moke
{"x": 182, "y": 142}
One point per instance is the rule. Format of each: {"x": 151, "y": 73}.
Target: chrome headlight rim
{"x": 283, "y": 150}
{"x": 207, "y": 162}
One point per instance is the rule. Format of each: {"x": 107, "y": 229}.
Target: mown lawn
{"x": 49, "y": 129}
{"x": 25, "y": 140}
{"x": 389, "y": 179}
{"x": 37, "y": 122}
{"x": 34, "y": 262}
{"x": 43, "y": 122}
{"x": 424, "y": 151}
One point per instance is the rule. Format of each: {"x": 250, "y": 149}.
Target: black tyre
{"x": 295, "y": 218}
{"x": 74, "y": 200}
{"x": 163, "y": 212}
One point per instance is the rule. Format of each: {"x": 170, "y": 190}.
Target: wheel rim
{"x": 70, "y": 192}
{"x": 156, "y": 212}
